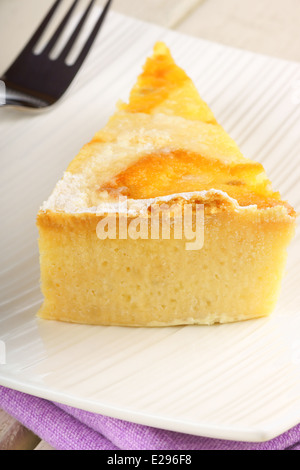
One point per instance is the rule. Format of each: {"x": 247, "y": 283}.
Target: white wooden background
{"x": 264, "y": 26}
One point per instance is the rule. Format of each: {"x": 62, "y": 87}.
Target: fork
{"x": 37, "y": 81}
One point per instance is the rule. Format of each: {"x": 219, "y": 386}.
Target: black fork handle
{"x": 11, "y": 96}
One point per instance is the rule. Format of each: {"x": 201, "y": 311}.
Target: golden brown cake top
{"x": 165, "y": 141}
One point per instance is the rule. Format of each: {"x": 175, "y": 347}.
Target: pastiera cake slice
{"x": 101, "y": 263}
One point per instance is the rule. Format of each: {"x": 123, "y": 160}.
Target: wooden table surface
{"x": 264, "y": 26}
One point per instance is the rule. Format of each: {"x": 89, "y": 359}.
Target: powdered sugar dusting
{"x": 60, "y": 199}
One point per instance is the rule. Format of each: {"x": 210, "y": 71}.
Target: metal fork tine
{"x": 38, "y": 33}
{"x": 92, "y": 36}
{"x": 47, "y": 49}
{"x": 74, "y": 35}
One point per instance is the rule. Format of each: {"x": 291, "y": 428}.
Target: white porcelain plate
{"x": 239, "y": 381}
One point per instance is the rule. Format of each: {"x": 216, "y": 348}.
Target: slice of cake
{"x": 160, "y": 220}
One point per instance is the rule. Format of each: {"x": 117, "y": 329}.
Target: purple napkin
{"x": 67, "y": 428}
